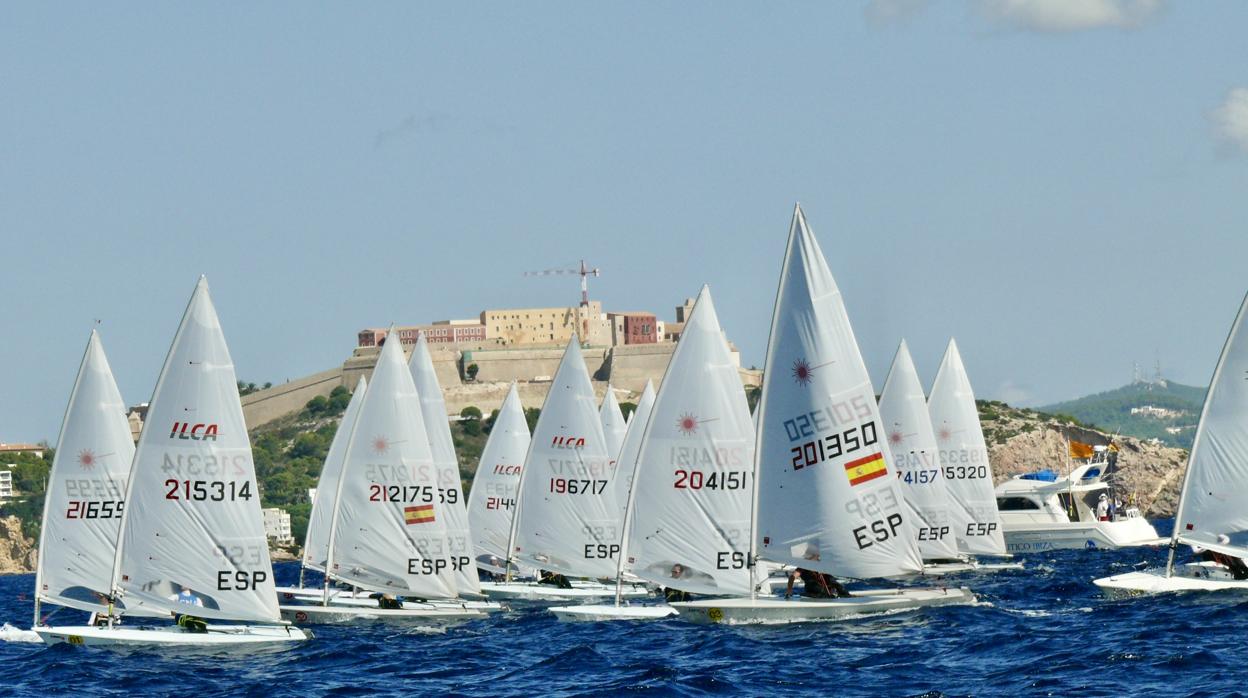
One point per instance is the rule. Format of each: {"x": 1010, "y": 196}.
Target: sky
{"x": 1059, "y": 184}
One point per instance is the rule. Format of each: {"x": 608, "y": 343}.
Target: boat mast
{"x": 333, "y": 515}
{"x": 515, "y": 514}
{"x": 114, "y": 591}
{"x": 626, "y": 524}
{"x": 761, "y": 407}
{"x": 43, "y": 524}
{"x": 1196, "y": 440}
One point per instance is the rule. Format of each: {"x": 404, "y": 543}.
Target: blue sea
{"x": 1041, "y": 631}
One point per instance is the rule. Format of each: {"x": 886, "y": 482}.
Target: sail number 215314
{"x": 207, "y": 490}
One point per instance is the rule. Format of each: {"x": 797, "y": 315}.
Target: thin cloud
{"x": 881, "y": 13}
{"x": 1230, "y": 119}
{"x": 1061, "y": 16}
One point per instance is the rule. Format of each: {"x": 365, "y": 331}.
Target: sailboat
{"x": 567, "y": 519}
{"x": 387, "y": 535}
{"x": 1213, "y": 504}
{"x": 826, "y": 497}
{"x": 964, "y": 461}
{"x": 626, "y": 465}
{"x": 688, "y": 523}
{"x": 191, "y": 535}
{"x": 316, "y": 540}
{"x": 86, "y": 486}
{"x": 903, "y": 410}
{"x": 496, "y": 485}
{"x": 614, "y": 426}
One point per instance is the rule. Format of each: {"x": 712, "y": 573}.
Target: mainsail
{"x": 316, "y": 542}
{"x": 496, "y": 485}
{"x": 192, "y": 527}
{"x": 828, "y": 499}
{"x": 1213, "y": 506}
{"x": 903, "y": 410}
{"x": 86, "y": 485}
{"x": 450, "y": 490}
{"x": 690, "y": 524}
{"x": 964, "y": 458}
{"x": 627, "y": 461}
{"x": 568, "y": 519}
{"x": 388, "y": 533}
{"x": 614, "y": 426}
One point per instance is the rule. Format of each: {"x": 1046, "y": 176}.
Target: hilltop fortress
{"x": 476, "y": 360}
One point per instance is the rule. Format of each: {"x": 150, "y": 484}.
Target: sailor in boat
{"x": 1234, "y": 565}
{"x": 670, "y": 594}
{"x": 554, "y": 579}
{"x": 817, "y": 584}
{"x": 186, "y": 621}
{"x": 388, "y": 601}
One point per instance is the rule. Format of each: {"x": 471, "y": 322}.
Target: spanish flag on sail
{"x": 865, "y": 469}
{"x": 418, "y": 514}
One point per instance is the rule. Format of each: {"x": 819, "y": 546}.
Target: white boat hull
{"x": 216, "y": 636}
{"x": 422, "y": 614}
{"x": 771, "y": 610}
{"x": 1194, "y": 576}
{"x": 941, "y": 569}
{"x": 533, "y": 592}
{"x": 1039, "y": 537}
{"x": 594, "y": 613}
{"x": 364, "y": 600}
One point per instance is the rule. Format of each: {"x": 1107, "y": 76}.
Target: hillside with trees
{"x": 1173, "y": 421}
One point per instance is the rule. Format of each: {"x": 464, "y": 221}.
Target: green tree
{"x": 627, "y": 408}
{"x": 471, "y": 371}
{"x": 471, "y": 412}
{"x": 317, "y": 405}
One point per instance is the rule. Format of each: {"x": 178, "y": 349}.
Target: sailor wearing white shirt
{"x": 1102, "y": 508}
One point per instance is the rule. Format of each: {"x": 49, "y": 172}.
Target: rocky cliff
{"x": 17, "y": 552}
{"x": 1021, "y": 441}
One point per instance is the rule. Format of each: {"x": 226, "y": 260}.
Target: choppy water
{"x": 1042, "y": 631}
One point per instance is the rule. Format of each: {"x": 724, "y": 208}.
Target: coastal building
{"x": 34, "y": 449}
{"x": 277, "y": 526}
{"x": 548, "y": 326}
{"x": 6, "y": 482}
{"x": 440, "y": 332}
{"x": 1157, "y": 412}
{"x": 135, "y": 417}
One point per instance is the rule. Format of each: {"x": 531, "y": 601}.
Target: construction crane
{"x": 585, "y": 272}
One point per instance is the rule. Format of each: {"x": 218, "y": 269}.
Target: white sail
{"x": 964, "y": 458}
{"x": 690, "y": 524}
{"x": 388, "y": 533}
{"x": 627, "y": 461}
{"x": 192, "y": 524}
{"x": 316, "y": 542}
{"x": 828, "y": 499}
{"x": 1214, "y": 501}
{"x": 496, "y": 484}
{"x": 433, "y": 408}
{"x": 86, "y": 485}
{"x": 614, "y": 426}
{"x": 568, "y": 519}
{"x": 903, "y": 409}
